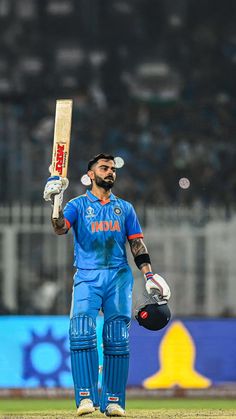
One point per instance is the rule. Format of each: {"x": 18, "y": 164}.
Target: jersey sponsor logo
{"x": 90, "y": 212}
{"x": 105, "y": 226}
{"x": 117, "y": 210}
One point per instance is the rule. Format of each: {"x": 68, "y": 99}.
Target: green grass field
{"x": 159, "y": 409}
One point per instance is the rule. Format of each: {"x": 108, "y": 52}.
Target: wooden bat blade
{"x": 62, "y": 131}
{"x": 61, "y": 144}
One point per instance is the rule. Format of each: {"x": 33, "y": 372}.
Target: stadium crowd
{"x": 159, "y": 144}
{"x": 160, "y": 94}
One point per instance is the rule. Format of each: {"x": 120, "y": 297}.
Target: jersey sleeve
{"x": 70, "y": 213}
{"x": 133, "y": 228}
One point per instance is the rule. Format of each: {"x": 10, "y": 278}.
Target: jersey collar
{"x": 94, "y": 198}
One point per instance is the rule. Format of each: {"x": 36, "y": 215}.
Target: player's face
{"x": 104, "y": 174}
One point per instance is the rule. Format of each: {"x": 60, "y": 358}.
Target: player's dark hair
{"x": 98, "y": 157}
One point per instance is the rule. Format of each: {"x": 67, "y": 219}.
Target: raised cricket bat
{"x": 61, "y": 144}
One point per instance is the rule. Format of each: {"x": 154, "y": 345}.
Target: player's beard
{"x": 102, "y": 183}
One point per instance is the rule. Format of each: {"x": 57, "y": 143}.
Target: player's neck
{"x": 100, "y": 193}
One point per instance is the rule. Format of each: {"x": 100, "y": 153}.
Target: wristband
{"x": 144, "y": 258}
{"x": 53, "y": 178}
{"x": 148, "y": 275}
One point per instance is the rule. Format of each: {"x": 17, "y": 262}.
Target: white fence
{"x": 195, "y": 253}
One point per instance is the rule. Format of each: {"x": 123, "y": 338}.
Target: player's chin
{"x": 110, "y": 183}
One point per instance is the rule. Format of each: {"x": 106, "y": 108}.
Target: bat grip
{"x": 56, "y": 204}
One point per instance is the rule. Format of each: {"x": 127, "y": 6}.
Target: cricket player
{"x": 101, "y": 224}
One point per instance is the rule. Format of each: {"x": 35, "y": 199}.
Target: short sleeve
{"x": 70, "y": 213}
{"x": 133, "y": 228}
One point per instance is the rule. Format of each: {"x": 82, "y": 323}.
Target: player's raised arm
{"x": 59, "y": 224}
{"x": 155, "y": 284}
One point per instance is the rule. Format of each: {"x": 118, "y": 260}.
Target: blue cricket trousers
{"x": 106, "y": 289}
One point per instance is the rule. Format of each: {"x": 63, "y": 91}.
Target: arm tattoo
{"x": 138, "y": 247}
{"x": 59, "y": 224}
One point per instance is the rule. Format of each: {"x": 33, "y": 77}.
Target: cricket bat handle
{"x": 56, "y": 205}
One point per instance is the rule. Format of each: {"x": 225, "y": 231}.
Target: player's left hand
{"x": 158, "y": 284}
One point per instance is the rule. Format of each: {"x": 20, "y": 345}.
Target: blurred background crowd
{"x": 152, "y": 82}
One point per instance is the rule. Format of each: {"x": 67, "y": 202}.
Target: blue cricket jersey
{"x": 100, "y": 230}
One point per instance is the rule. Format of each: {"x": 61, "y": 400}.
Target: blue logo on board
{"x": 45, "y": 358}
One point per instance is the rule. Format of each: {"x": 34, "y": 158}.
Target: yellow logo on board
{"x": 177, "y": 358}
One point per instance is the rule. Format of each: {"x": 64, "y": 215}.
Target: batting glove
{"x": 55, "y": 185}
{"x": 157, "y": 285}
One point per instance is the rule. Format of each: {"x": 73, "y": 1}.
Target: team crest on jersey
{"x": 90, "y": 212}
{"x": 117, "y": 210}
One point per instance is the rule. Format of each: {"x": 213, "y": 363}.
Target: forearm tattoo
{"x": 138, "y": 247}
{"x": 59, "y": 224}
